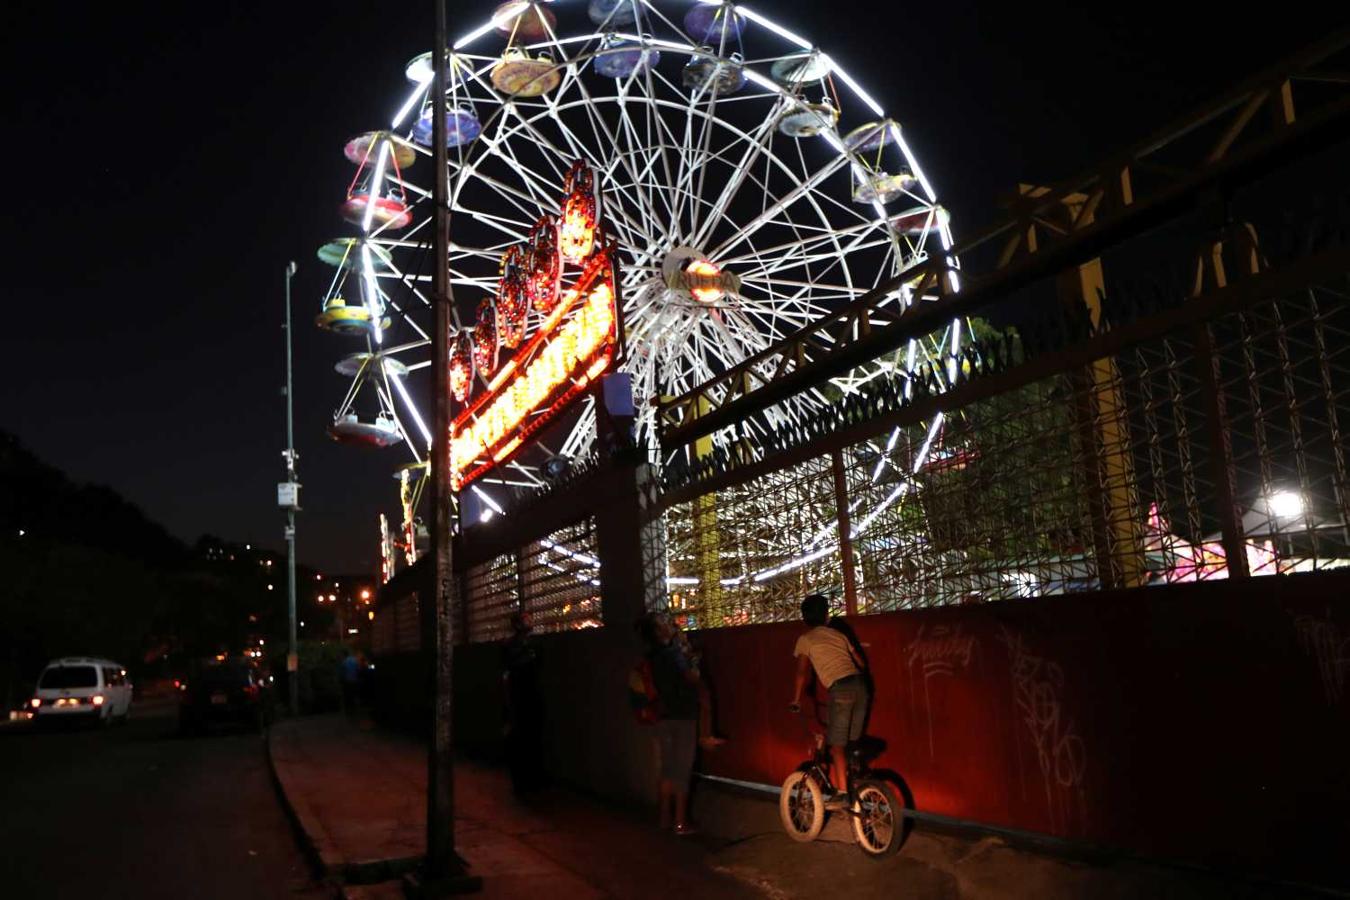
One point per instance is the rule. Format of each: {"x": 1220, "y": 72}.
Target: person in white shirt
{"x": 836, "y": 664}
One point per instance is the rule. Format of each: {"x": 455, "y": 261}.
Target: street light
{"x": 289, "y": 497}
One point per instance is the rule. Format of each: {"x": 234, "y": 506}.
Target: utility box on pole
{"x": 288, "y": 495}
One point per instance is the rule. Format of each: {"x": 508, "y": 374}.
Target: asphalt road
{"x": 138, "y": 811}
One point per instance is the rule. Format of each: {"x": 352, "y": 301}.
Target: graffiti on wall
{"x": 1038, "y": 696}
{"x": 940, "y": 651}
{"x": 1330, "y": 649}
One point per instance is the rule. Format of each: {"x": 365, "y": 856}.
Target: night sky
{"x": 167, "y": 166}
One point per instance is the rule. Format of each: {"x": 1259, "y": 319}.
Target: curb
{"x": 318, "y": 847}
{"x": 309, "y": 833}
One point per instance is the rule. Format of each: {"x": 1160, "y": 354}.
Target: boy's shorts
{"x": 848, "y": 710}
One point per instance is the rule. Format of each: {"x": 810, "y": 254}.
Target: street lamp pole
{"x": 292, "y": 659}
{"x": 444, "y": 872}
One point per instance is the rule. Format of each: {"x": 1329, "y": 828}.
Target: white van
{"x": 82, "y": 687}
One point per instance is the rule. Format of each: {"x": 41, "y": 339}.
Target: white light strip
{"x": 795, "y": 563}
{"x": 909, "y": 367}
{"x": 408, "y": 104}
{"x": 372, "y": 292}
{"x": 894, "y": 495}
{"x": 857, "y": 89}
{"x": 672, "y": 579}
{"x": 649, "y": 41}
{"x": 488, "y": 500}
{"x": 373, "y": 194}
{"x": 913, "y": 163}
{"x": 407, "y": 400}
{"x": 589, "y": 560}
{"x": 927, "y": 443}
{"x": 956, "y": 350}
{"x": 475, "y": 34}
{"x": 772, "y": 26}
{"x": 762, "y": 80}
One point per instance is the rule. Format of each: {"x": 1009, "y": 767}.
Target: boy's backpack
{"x": 642, "y": 696}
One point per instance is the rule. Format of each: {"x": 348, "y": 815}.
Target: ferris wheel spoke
{"x": 585, "y": 424}
{"x": 663, "y": 137}
{"x": 700, "y": 164}
{"x": 758, "y": 143}
{"x": 604, "y": 137}
{"x": 797, "y": 193}
{"x": 516, "y": 198}
{"x": 629, "y": 230}
{"x": 384, "y": 299}
{"x": 541, "y": 188}
{"x": 644, "y": 181}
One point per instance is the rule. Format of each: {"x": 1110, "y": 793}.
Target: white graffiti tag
{"x": 1323, "y": 641}
{"x": 1060, "y": 752}
{"x": 943, "y": 650}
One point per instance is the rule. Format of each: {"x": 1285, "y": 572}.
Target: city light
{"x": 365, "y": 595}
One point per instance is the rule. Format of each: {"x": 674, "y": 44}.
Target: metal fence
{"x": 556, "y": 580}
{"x": 1210, "y": 450}
{"x": 397, "y": 628}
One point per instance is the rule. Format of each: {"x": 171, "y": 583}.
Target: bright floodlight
{"x": 1284, "y": 504}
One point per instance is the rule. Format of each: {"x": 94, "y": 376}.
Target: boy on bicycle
{"x": 837, "y": 666}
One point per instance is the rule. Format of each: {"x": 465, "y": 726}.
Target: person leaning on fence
{"x": 677, "y": 685}
{"x": 840, "y": 670}
{"x": 521, "y": 677}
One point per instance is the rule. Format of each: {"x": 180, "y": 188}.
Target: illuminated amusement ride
{"x": 721, "y": 179}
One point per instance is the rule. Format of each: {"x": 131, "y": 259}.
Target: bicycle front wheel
{"x": 801, "y": 806}
{"x": 879, "y": 824}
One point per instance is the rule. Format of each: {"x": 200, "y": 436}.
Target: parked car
{"x": 78, "y": 688}
{"x": 223, "y": 692}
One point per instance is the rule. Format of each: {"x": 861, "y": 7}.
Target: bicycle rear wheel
{"x": 801, "y": 806}
{"x": 879, "y": 826}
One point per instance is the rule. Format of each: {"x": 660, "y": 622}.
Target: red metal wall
{"x": 1202, "y": 722}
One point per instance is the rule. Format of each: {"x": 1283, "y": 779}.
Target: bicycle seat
{"x": 865, "y": 749}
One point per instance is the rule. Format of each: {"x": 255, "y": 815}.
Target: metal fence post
{"x": 1221, "y": 455}
{"x": 845, "y": 532}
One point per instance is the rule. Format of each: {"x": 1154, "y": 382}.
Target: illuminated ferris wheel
{"x": 749, "y": 182}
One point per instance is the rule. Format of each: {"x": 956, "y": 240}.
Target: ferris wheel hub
{"x": 688, "y": 271}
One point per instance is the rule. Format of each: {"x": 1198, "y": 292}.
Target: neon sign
{"x": 577, "y": 341}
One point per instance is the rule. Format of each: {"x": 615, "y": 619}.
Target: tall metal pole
{"x": 444, "y": 872}
{"x": 292, "y": 682}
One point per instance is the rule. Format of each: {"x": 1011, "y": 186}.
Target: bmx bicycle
{"x": 871, "y": 803}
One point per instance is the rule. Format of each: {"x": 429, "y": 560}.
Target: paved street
{"x": 139, "y": 812}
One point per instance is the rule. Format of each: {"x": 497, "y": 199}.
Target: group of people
{"x": 681, "y": 714}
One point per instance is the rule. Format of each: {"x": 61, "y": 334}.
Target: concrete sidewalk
{"x": 358, "y": 797}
